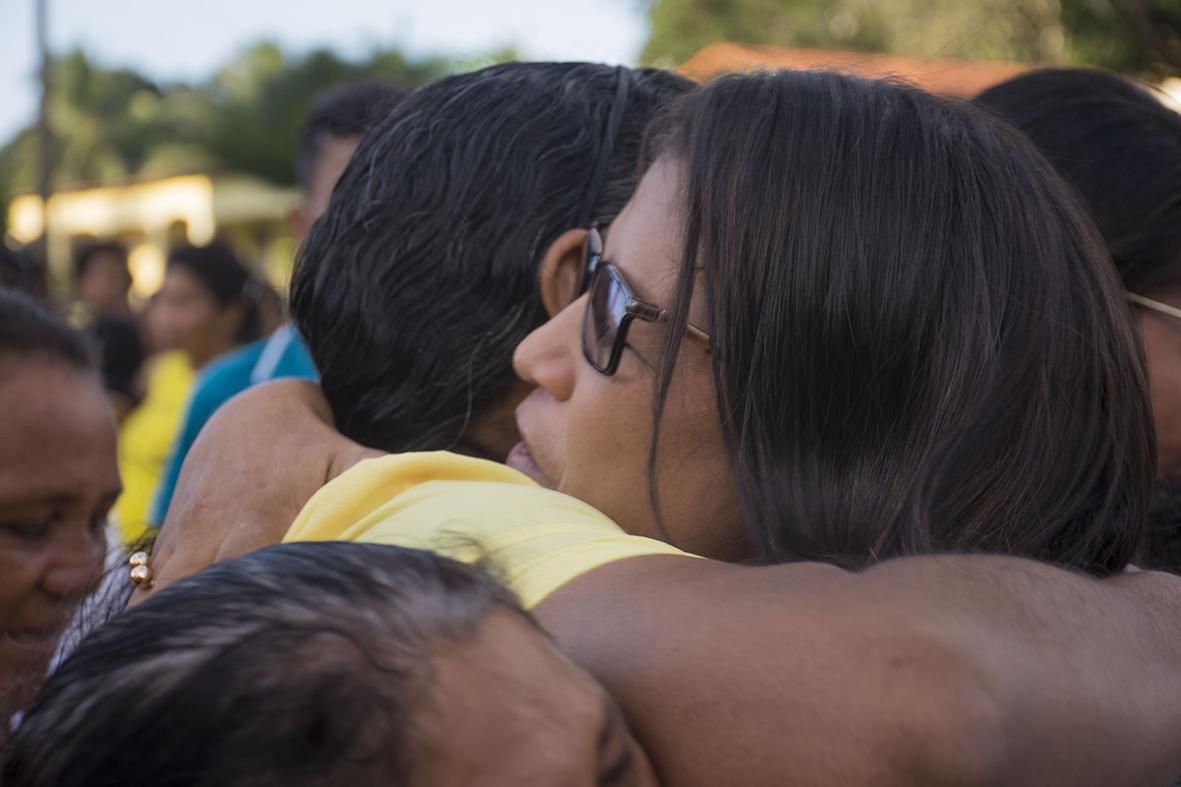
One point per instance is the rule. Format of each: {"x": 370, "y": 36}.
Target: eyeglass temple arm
{"x": 1148, "y": 303}
{"x": 650, "y": 313}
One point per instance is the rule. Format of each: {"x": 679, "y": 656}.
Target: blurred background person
{"x": 102, "y": 285}
{"x": 331, "y": 133}
{"x": 1120, "y": 147}
{"x": 58, "y": 479}
{"x": 204, "y": 310}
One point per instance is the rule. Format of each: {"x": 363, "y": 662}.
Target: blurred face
{"x": 187, "y": 316}
{"x": 58, "y": 478}
{"x": 331, "y": 159}
{"x": 589, "y": 435}
{"x": 1162, "y": 343}
{"x": 508, "y": 709}
{"x": 103, "y": 288}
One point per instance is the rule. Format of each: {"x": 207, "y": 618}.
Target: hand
{"x": 253, "y": 467}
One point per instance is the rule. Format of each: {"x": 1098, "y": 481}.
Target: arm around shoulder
{"x": 955, "y": 670}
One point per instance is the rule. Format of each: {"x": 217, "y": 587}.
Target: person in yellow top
{"x": 534, "y": 539}
{"x": 145, "y": 440}
{"x": 203, "y": 310}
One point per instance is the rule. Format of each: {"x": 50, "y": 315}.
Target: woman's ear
{"x": 560, "y": 274}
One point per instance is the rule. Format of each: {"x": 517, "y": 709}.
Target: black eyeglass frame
{"x": 635, "y": 309}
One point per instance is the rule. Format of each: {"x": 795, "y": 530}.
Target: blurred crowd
{"x": 791, "y": 428}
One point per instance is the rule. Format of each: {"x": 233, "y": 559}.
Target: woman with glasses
{"x": 1120, "y": 147}
{"x": 814, "y": 334}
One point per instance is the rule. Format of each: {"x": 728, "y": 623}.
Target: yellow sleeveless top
{"x": 533, "y": 539}
{"x": 145, "y": 440}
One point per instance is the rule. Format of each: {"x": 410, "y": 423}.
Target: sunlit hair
{"x": 300, "y": 664}
{"x": 919, "y": 341}
{"x": 415, "y": 287}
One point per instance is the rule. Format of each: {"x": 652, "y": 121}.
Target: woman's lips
{"x": 520, "y": 459}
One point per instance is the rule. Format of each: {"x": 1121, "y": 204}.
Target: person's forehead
{"x": 644, "y": 240}
{"x": 59, "y": 435}
{"x": 508, "y": 709}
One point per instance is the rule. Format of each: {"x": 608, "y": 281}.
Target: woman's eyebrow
{"x": 617, "y": 772}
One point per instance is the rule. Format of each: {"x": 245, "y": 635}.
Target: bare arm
{"x": 253, "y": 467}
{"x": 952, "y": 670}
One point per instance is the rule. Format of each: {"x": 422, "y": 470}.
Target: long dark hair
{"x": 415, "y": 287}
{"x": 919, "y": 342}
{"x": 1120, "y": 147}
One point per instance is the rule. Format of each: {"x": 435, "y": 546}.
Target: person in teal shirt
{"x": 329, "y": 137}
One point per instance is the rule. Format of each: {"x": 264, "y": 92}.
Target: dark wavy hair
{"x": 920, "y": 344}
{"x": 415, "y": 287}
{"x": 299, "y": 664}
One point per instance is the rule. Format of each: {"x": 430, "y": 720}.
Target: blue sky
{"x": 187, "y": 39}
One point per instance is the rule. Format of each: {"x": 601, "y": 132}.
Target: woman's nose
{"x": 548, "y": 356}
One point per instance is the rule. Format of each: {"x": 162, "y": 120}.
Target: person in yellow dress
{"x": 145, "y": 439}
{"x": 202, "y": 311}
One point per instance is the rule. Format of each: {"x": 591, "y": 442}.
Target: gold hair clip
{"x": 141, "y": 572}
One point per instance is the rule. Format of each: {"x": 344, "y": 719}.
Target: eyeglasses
{"x": 1156, "y": 306}
{"x": 611, "y": 306}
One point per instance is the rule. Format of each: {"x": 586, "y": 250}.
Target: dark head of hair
{"x": 919, "y": 343}
{"x": 1120, "y": 147}
{"x": 85, "y": 256}
{"x": 300, "y": 664}
{"x": 417, "y": 284}
{"x": 226, "y": 279}
{"x": 29, "y": 331}
{"x": 344, "y": 111}
{"x": 19, "y": 271}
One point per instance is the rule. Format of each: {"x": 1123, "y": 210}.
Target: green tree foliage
{"x": 1136, "y": 36}
{"x": 114, "y": 124}
{"x": 251, "y": 111}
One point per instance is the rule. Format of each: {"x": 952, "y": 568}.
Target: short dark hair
{"x": 20, "y": 271}
{"x": 919, "y": 342}
{"x": 1120, "y": 147}
{"x": 230, "y": 283}
{"x": 346, "y": 110}
{"x": 87, "y": 253}
{"x": 299, "y": 664}
{"x": 30, "y": 331}
{"x": 415, "y": 287}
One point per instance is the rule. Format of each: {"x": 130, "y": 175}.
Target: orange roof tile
{"x": 944, "y": 75}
